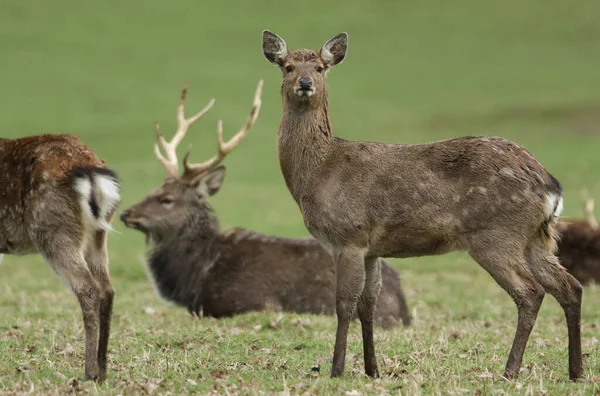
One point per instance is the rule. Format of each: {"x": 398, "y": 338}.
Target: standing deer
{"x": 579, "y": 244}
{"x": 57, "y": 198}
{"x": 365, "y": 200}
{"x": 219, "y": 274}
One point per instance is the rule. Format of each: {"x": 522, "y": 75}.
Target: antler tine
{"x": 588, "y": 209}
{"x": 226, "y": 147}
{"x": 170, "y": 148}
{"x": 169, "y": 164}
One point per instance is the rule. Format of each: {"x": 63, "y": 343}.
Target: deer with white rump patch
{"x": 365, "y": 200}
{"x": 57, "y": 198}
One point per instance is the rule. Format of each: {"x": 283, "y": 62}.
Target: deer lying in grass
{"x": 365, "y": 200}
{"x": 579, "y": 244}
{"x": 196, "y": 266}
{"x": 57, "y": 198}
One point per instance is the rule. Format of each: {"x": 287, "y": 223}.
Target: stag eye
{"x": 319, "y": 69}
{"x": 166, "y": 201}
{"x": 289, "y": 69}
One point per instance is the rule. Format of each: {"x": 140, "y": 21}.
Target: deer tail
{"x": 554, "y": 206}
{"x": 99, "y": 195}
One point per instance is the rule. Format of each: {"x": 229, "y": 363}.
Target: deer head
{"x": 304, "y": 70}
{"x": 184, "y": 196}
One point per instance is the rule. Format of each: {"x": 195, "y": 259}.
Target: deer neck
{"x": 304, "y": 140}
{"x": 181, "y": 263}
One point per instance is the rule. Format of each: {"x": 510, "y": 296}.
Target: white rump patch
{"x": 107, "y": 196}
{"x": 554, "y": 205}
{"x": 84, "y": 187}
{"x": 1, "y": 258}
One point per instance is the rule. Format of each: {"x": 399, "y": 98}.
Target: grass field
{"x": 527, "y": 70}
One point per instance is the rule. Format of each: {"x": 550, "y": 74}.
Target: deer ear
{"x": 274, "y": 48}
{"x": 334, "y": 50}
{"x": 210, "y": 183}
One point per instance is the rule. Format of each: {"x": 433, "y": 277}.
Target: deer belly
{"x": 405, "y": 241}
{"x": 11, "y": 245}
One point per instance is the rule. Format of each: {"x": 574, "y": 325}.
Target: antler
{"x": 170, "y": 162}
{"x": 225, "y": 148}
{"x": 588, "y": 209}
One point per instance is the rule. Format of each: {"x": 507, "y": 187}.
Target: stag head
{"x": 184, "y": 196}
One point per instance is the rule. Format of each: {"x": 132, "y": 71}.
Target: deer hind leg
{"x": 568, "y": 292}
{"x": 96, "y": 256}
{"x": 507, "y": 265}
{"x": 350, "y": 269}
{"x": 68, "y": 262}
{"x": 366, "y": 313}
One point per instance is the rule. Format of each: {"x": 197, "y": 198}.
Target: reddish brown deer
{"x": 365, "y": 200}
{"x": 219, "y": 274}
{"x": 57, "y": 198}
{"x": 579, "y": 244}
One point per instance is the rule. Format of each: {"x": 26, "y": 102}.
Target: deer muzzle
{"x": 304, "y": 87}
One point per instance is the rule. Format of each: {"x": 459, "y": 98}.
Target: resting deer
{"x": 57, "y": 198}
{"x": 365, "y": 200}
{"x": 579, "y": 244}
{"x": 219, "y": 274}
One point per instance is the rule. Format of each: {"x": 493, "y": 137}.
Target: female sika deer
{"x": 195, "y": 265}
{"x": 366, "y": 200}
{"x": 57, "y": 198}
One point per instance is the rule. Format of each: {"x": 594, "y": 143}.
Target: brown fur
{"x": 42, "y": 211}
{"x": 365, "y": 200}
{"x": 196, "y": 266}
{"x": 579, "y": 244}
{"x": 579, "y": 250}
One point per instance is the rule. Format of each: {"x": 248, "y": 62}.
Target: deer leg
{"x": 366, "y": 313}
{"x": 528, "y": 306}
{"x": 568, "y": 292}
{"x": 70, "y": 265}
{"x": 97, "y": 260}
{"x": 510, "y": 270}
{"x": 350, "y": 268}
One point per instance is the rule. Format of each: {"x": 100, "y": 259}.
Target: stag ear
{"x": 210, "y": 183}
{"x": 334, "y": 50}
{"x": 274, "y": 48}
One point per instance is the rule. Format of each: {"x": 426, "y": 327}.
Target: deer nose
{"x": 124, "y": 215}
{"x": 305, "y": 83}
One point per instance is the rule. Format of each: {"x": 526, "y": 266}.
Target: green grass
{"x": 416, "y": 71}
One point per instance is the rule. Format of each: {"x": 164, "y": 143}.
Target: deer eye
{"x": 166, "y": 201}
{"x": 319, "y": 69}
{"x": 289, "y": 69}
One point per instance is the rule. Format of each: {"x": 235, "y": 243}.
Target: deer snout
{"x": 124, "y": 215}
{"x": 305, "y": 83}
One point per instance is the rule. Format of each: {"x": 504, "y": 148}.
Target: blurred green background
{"x": 527, "y": 70}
